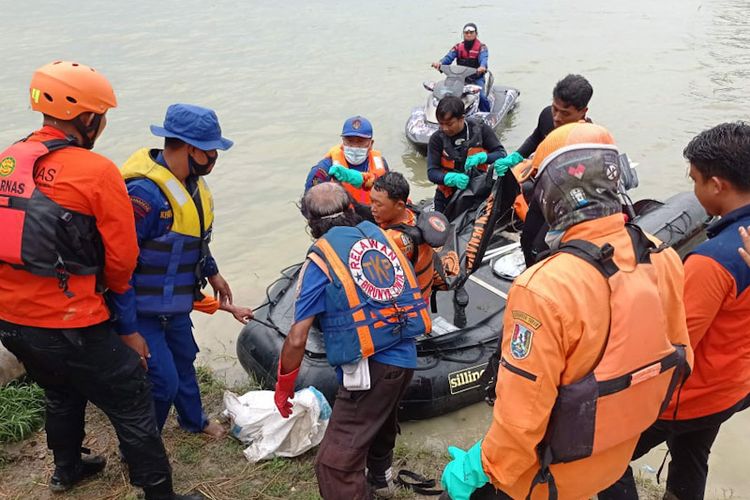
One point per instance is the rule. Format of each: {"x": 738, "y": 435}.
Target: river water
{"x": 283, "y": 76}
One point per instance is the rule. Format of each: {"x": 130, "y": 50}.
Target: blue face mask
{"x": 355, "y": 156}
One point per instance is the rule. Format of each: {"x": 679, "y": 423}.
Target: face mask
{"x": 202, "y": 168}
{"x": 553, "y": 239}
{"x": 355, "y": 156}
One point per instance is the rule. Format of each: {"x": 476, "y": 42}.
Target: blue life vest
{"x": 168, "y": 276}
{"x": 373, "y": 301}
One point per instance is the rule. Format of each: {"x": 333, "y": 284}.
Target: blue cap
{"x": 357, "y": 126}
{"x": 193, "y": 125}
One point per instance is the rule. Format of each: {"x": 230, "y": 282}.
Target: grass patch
{"x": 21, "y": 410}
{"x": 217, "y": 469}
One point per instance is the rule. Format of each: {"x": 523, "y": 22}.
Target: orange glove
{"x": 208, "y": 305}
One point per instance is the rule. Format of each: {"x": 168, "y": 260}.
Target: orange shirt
{"x": 88, "y": 183}
{"x": 564, "y": 303}
{"x": 719, "y": 324}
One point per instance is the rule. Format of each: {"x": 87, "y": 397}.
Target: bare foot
{"x": 215, "y": 430}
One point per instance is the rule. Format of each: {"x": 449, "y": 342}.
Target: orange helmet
{"x": 578, "y": 175}
{"x": 571, "y": 133}
{"x": 65, "y": 89}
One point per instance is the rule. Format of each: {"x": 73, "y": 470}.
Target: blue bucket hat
{"x": 193, "y": 125}
{"x": 357, "y": 126}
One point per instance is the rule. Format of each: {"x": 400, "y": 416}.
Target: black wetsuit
{"x": 436, "y": 172}
{"x": 544, "y": 126}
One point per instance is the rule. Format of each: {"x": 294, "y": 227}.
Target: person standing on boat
{"x": 390, "y": 200}
{"x": 365, "y": 295}
{"x": 474, "y": 54}
{"x": 68, "y": 235}
{"x": 570, "y": 103}
{"x": 717, "y": 302}
{"x": 459, "y": 146}
{"x": 574, "y": 348}
{"x": 354, "y": 163}
{"x": 174, "y": 215}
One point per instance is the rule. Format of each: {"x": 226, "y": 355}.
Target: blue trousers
{"x": 484, "y": 103}
{"x": 171, "y": 369}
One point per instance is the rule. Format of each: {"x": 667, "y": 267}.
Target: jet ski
{"x": 423, "y": 123}
{"x": 467, "y": 319}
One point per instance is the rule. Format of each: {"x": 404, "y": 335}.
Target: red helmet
{"x": 65, "y": 89}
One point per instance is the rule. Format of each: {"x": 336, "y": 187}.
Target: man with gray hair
{"x": 365, "y": 295}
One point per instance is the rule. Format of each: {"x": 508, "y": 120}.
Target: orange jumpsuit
{"x": 84, "y": 181}
{"x": 564, "y": 303}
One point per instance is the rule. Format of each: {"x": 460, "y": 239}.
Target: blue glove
{"x": 502, "y": 165}
{"x": 454, "y": 179}
{"x": 474, "y": 160}
{"x": 464, "y": 473}
{"x": 347, "y": 175}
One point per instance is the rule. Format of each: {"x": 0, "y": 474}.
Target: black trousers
{"x": 532, "y": 237}
{"x": 486, "y": 492}
{"x": 92, "y": 364}
{"x": 689, "y": 443}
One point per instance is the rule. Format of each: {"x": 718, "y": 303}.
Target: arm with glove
{"x": 310, "y": 301}
{"x": 464, "y": 473}
{"x": 502, "y": 165}
{"x": 348, "y": 175}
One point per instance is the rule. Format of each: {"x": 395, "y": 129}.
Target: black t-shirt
{"x": 490, "y": 143}
{"x": 544, "y": 126}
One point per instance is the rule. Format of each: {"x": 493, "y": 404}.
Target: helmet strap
{"x": 86, "y": 131}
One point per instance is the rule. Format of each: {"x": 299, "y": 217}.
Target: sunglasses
{"x": 470, "y": 31}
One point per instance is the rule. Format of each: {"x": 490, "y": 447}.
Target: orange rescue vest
{"x": 638, "y": 369}
{"x": 375, "y": 169}
{"x": 454, "y": 158}
{"x": 421, "y": 255}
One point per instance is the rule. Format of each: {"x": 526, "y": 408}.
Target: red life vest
{"x": 468, "y": 57}
{"x": 39, "y": 235}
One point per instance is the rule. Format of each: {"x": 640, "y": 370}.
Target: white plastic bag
{"x": 256, "y": 422}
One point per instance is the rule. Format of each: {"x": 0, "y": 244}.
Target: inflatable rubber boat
{"x": 466, "y": 322}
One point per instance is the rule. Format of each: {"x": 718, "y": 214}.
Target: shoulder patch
{"x": 520, "y": 342}
{"x": 527, "y": 318}
{"x": 141, "y": 207}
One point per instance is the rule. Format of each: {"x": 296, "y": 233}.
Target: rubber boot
{"x": 164, "y": 491}
{"x": 67, "y": 476}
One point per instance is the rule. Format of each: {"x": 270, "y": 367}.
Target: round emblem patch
{"x": 356, "y": 124}
{"x": 7, "y": 165}
{"x": 437, "y": 223}
{"x": 376, "y": 270}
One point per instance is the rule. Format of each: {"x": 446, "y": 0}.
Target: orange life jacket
{"x": 39, "y": 235}
{"x": 637, "y": 371}
{"x": 454, "y": 158}
{"x": 375, "y": 169}
{"x": 421, "y": 255}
